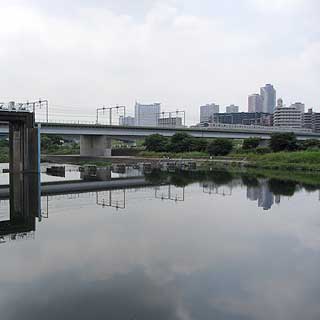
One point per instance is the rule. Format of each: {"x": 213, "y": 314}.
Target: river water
{"x": 183, "y": 246}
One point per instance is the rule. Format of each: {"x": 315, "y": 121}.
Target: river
{"x": 212, "y": 245}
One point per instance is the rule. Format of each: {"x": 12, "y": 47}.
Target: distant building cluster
{"x": 263, "y": 110}
{"x": 150, "y": 115}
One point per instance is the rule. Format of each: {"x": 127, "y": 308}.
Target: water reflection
{"x": 189, "y": 246}
{"x": 23, "y": 209}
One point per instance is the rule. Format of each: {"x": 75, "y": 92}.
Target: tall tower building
{"x": 299, "y": 106}
{"x": 269, "y": 96}
{"x": 147, "y": 114}
{"x": 232, "y": 109}
{"x": 207, "y": 111}
{"x": 255, "y": 103}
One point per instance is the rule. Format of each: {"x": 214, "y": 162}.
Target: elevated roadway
{"x": 129, "y": 132}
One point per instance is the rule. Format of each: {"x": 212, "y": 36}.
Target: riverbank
{"x": 296, "y": 161}
{"x": 299, "y": 160}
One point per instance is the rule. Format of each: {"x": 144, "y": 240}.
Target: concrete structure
{"x": 288, "y": 117}
{"x": 311, "y": 120}
{"x": 254, "y": 103}
{"x": 131, "y": 133}
{"x": 243, "y": 118}
{"x": 126, "y": 121}
{"x": 95, "y": 145}
{"x": 100, "y": 142}
{"x": 280, "y": 103}
{"x": 299, "y": 106}
{"x": 208, "y": 111}
{"x": 147, "y": 114}
{"x": 232, "y": 109}
{"x": 170, "y": 122}
{"x": 269, "y": 96}
{"x": 24, "y": 197}
{"x": 23, "y": 141}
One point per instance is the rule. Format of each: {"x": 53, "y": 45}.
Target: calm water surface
{"x": 208, "y": 247}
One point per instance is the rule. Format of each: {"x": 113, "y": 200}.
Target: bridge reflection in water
{"x": 27, "y": 201}
{"x": 24, "y": 207}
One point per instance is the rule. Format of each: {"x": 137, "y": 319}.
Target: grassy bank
{"x": 62, "y": 150}
{"x": 184, "y": 155}
{"x": 299, "y": 160}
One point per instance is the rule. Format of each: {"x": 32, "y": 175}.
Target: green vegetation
{"x": 251, "y": 144}
{"x": 220, "y": 147}
{"x": 56, "y": 145}
{"x": 283, "y": 142}
{"x": 4, "y": 151}
{"x": 181, "y": 155}
{"x": 178, "y": 143}
{"x": 298, "y": 160}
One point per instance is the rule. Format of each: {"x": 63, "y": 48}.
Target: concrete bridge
{"x": 95, "y": 139}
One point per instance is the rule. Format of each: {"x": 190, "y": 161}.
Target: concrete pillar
{"x": 23, "y": 148}
{"x": 95, "y": 146}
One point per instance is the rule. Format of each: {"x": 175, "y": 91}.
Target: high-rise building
{"x": 170, "y": 122}
{"x": 243, "y": 118}
{"x": 299, "y": 106}
{"x": 311, "y": 120}
{"x": 208, "y": 111}
{"x": 255, "y": 103}
{"x": 232, "y": 109}
{"x": 126, "y": 121}
{"x": 269, "y": 96}
{"x": 289, "y": 117}
{"x": 147, "y": 114}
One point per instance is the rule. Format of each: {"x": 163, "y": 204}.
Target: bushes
{"x": 251, "y": 143}
{"x": 220, "y": 147}
{"x": 262, "y": 150}
{"x": 310, "y": 144}
{"x": 178, "y": 143}
{"x": 183, "y": 142}
{"x": 157, "y": 143}
{"x": 283, "y": 142}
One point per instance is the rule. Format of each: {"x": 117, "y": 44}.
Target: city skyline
{"x": 88, "y": 54}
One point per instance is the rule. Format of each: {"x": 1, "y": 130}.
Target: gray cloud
{"x": 88, "y": 53}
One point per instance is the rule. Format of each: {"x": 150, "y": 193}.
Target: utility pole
{"x": 110, "y": 109}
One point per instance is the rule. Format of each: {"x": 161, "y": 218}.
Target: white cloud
{"x": 94, "y": 56}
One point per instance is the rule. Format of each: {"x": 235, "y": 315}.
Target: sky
{"x": 82, "y": 54}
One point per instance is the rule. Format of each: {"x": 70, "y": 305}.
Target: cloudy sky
{"x": 83, "y": 54}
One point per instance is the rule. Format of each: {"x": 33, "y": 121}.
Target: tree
{"x": 310, "y": 144}
{"x": 199, "y": 144}
{"x": 156, "y": 142}
{"x": 181, "y": 142}
{"x": 51, "y": 142}
{"x": 251, "y": 143}
{"x": 283, "y": 142}
{"x": 220, "y": 147}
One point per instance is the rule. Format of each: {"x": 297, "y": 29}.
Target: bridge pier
{"x": 95, "y": 146}
{"x": 23, "y": 142}
{"x": 23, "y": 148}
